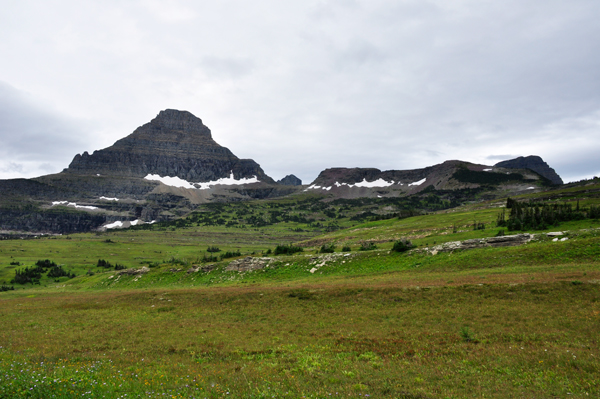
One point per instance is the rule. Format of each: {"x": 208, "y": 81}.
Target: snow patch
{"x": 114, "y": 225}
{"x": 119, "y": 224}
{"x": 376, "y": 183}
{"x": 109, "y": 199}
{"x": 418, "y": 183}
{"x": 229, "y": 181}
{"x": 313, "y": 187}
{"x": 170, "y": 181}
{"x": 487, "y": 170}
{"x": 364, "y": 183}
{"x": 178, "y": 182}
{"x": 73, "y": 205}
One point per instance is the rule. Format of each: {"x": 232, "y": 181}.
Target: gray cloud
{"x": 32, "y": 137}
{"x": 301, "y": 86}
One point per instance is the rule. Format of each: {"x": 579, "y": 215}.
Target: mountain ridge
{"x": 169, "y": 166}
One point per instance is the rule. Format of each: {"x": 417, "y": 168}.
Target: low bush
{"x": 367, "y": 246}
{"x": 327, "y": 249}
{"x": 402, "y": 246}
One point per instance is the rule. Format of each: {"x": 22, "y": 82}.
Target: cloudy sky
{"x": 300, "y": 86}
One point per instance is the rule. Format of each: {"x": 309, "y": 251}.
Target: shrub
{"x": 367, "y": 246}
{"x": 287, "y": 249}
{"x": 58, "y": 271}
{"x": 346, "y": 248}
{"x": 213, "y": 249}
{"x": 467, "y": 335}
{"x": 402, "y": 246}
{"x": 232, "y": 254}
{"x": 103, "y": 263}
{"x": 327, "y": 249}
{"x": 45, "y": 264}
{"x": 28, "y": 275}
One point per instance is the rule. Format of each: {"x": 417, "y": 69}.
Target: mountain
{"x": 164, "y": 169}
{"x": 290, "y": 180}
{"x": 171, "y": 165}
{"x": 488, "y": 181}
{"x": 174, "y": 144}
{"x": 534, "y": 163}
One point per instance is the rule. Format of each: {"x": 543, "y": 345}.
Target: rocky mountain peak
{"x": 290, "y": 180}
{"x": 184, "y": 121}
{"x": 535, "y": 163}
{"x": 175, "y": 144}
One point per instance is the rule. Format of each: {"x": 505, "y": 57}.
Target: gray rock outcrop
{"x": 535, "y": 163}
{"x": 248, "y": 264}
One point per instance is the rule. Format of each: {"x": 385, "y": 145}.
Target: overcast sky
{"x": 300, "y": 86}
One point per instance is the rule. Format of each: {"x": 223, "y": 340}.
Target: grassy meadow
{"x": 501, "y": 322}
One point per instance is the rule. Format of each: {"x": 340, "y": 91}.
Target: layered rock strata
{"x": 175, "y": 144}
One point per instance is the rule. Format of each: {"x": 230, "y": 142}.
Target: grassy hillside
{"x": 489, "y": 322}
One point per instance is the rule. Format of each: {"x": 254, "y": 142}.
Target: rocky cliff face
{"x": 532, "y": 162}
{"x": 176, "y": 144}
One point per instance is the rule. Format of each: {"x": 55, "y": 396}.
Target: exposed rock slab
{"x": 502, "y": 241}
{"x": 133, "y": 272}
{"x": 249, "y": 263}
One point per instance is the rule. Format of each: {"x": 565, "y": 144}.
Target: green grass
{"x": 344, "y": 340}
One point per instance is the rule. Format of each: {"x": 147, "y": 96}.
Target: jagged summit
{"x": 175, "y": 144}
{"x": 172, "y": 119}
{"x": 535, "y": 163}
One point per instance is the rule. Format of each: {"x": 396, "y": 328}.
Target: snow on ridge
{"x": 119, "y": 224}
{"x": 114, "y": 225}
{"x": 364, "y": 183}
{"x": 170, "y": 181}
{"x": 108, "y": 199}
{"x": 73, "y": 204}
{"x": 487, "y": 170}
{"x": 178, "y": 182}
{"x": 377, "y": 183}
{"x": 418, "y": 183}
{"x": 228, "y": 181}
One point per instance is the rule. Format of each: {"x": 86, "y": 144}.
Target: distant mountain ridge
{"x": 171, "y": 165}
{"x": 449, "y": 175}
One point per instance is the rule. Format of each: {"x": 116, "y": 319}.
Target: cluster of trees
{"x": 34, "y": 274}
{"x": 107, "y": 265}
{"x": 535, "y": 216}
{"x": 6, "y": 288}
{"x": 287, "y": 249}
{"x": 214, "y": 258}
